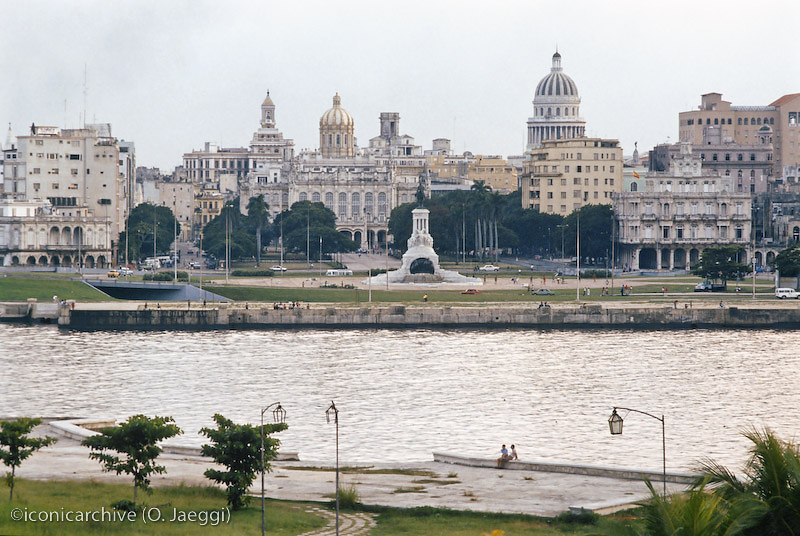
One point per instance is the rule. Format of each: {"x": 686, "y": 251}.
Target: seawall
{"x": 235, "y": 316}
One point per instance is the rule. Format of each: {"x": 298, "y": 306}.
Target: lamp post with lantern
{"x": 279, "y": 417}
{"x": 615, "y": 427}
{"x": 333, "y": 412}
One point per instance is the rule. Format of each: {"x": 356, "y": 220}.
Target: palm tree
{"x": 771, "y": 489}
{"x": 257, "y": 213}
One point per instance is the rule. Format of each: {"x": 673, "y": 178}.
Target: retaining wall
{"x": 224, "y": 316}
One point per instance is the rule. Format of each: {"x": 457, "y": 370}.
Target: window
{"x": 563, "y": 182}
{"x": 679, "y": 209}
{"x": 665, "y": 232}
{"x": 679, "y": 232}
{"x": 566, "y": 169}
{"x": 342, "y": 205}
{"x": 369, "y": 202}
{"x": 303, "y": 195}
{"x": 355, "y": 205}
{"x": 739, "y": 121}
{"x": 739, "y": 233}
{"x": 382, "y": 203}
{"x": 549, "y": 195}
{"x": 563, "y": 195}
{"x": 723, "y": 209}
{"x": 576, "y": 180}
{"x": 329, "y": 200}
{"x": 315, "y": 197}
{"x": 665, "y": 209}
{"x": 723, "y": 231}
{"x": 752, "y": 157}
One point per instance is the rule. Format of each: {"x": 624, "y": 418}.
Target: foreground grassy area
{"x": 283, "y": 519}
{"x": 21, "y": 286}
{"x": 417, "y": 521}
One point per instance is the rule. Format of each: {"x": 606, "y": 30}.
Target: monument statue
{"x": 420, "y": 261}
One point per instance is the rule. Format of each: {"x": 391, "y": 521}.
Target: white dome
{"x": 556, "y": 84}
{"x": 336, "y": 116}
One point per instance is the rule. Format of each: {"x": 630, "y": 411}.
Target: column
{"x": 671, "y": 259}
{"x": 658, "y": 257}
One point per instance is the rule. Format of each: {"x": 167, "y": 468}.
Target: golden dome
{"x": 336, "y": 116}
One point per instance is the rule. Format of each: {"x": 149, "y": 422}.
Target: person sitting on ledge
{"x": 504, "y": 457}
{"x": 513, "y": 454}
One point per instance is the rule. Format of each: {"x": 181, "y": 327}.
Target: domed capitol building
{"x": 556, "y": 108}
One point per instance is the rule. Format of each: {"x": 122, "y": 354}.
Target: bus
{"x": 333, "y": 273}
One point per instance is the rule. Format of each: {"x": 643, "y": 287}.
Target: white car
{"x": 489, "y": 268}
{"x": 124, "y": 271}
{"x": 277, "y": 268}
{"x": 784, "y": 293}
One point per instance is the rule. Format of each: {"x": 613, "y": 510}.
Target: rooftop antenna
{"x": 85, "y": 92}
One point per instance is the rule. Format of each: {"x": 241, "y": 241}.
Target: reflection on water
{"x": 403, "y": 394}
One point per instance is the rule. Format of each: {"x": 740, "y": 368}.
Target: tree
{"x": 14, "y": 436}
{"x": 232, "y": 223}
{"x": 721, "y": 263}
{"x": 142, "y": 220}
{"x": 305, "y": 222}
{"x": 258, "y": 217}
{"x": 788, "y": 261}
{"x": 238, "y": 448}
{"x": 136, "y": 439}
{"x": 595, "y": 231}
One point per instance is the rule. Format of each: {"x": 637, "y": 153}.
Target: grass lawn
{"x": 416, "y": 521}
{"x": 21, "y": 286}
{"x": 283, "y": 518}
{"x": 520, "y": 295}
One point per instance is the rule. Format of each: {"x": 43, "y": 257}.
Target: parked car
{"x": 784, "y": 293}
{"x": 542, "y": 292}
{"x": 471, "y": 291}
{"x": 277, "y": 268}
{"x": 113, "y": 273}
{"x": 489, "y": 268}
{"x": 708, "y": 286}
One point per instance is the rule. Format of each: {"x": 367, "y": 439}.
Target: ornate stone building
{"x": 556, "y": 108}
{"x": 33, "y": 233}
{"x": 747, "y": 125}
{"x": 678, "y": 214}
{"x": 360, "y": 186}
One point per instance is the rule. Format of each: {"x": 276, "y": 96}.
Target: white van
{"x": 783, "y": 293}
{"x": 332, "y": 273}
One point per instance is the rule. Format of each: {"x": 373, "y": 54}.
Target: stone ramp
{"x": 350, "y": 524}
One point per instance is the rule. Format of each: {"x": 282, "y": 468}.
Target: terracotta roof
{"x": 785, "y": 99}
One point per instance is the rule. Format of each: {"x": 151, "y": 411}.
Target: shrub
{"x": 348, "y": 496}
{"x": 160, "y": 276}
{"x": 252, "y": 273}
{"x": 585, "y": 517}
{"x": 183, "y": 276}
{"x": 585, "y": 274}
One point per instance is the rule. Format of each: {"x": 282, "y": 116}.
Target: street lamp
{"x": 615, "y": 427}
{"x": 335, "y": 412}
{"x": 278, "y": 416}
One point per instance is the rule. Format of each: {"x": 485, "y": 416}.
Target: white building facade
{"x": 678, "y": 214}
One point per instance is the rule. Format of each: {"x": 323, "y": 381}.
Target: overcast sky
{"x": 171, "y": 75}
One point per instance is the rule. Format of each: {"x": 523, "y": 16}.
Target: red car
{"x": 471, "y": 291}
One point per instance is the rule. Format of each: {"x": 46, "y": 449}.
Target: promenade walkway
{"x": 403, "y": 485}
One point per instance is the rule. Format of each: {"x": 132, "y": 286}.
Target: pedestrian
{"x": 675, "y": 304}
{"x": 425, "y": 298}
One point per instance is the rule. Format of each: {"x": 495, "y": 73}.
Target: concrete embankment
{"x": 225, "y": 316}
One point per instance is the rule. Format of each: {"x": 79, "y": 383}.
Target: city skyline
{"x": 172, "y": 77}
